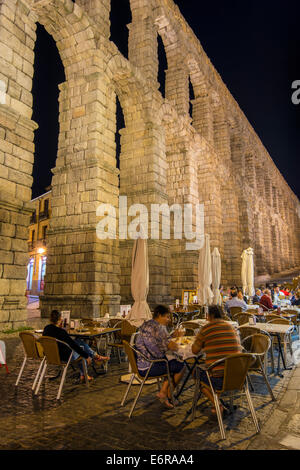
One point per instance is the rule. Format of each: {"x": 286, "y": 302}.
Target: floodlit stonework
{"x": 214, "y": 158}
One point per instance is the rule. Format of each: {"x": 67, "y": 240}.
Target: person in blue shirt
{"x": 153, "y": 341}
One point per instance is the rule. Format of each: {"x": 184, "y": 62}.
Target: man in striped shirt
{"x": 217, "y": 339}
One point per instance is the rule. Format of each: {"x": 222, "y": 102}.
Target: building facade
{"x": 37, "y": 244}
{"x": 213, "y": 158}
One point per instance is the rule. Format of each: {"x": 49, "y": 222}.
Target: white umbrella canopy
{"x": 248, "y": 271}
{"x": 205, "y": 295}
{"x": 139, "y": 284}
{"x": 216, "y": 276}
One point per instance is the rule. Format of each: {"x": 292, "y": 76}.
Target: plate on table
{"x": 82, "y": 330}
{"x": 38, "y": 331}
{"x": 184, "y": 340}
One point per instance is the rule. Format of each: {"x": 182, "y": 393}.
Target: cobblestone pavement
{"x": 91, "y": 418}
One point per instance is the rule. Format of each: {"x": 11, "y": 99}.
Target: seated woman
{"x": 217, "y": 339}
{"x": 80, "y": 347}
{"x": 296, "y": 300}
{"x": 153, "y": 341}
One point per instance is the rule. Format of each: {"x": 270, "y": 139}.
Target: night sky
{"x": 254, "y": 45}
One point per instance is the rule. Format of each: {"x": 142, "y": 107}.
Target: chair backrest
{"x": 289, "y": 310}
{"x": 129, "y": 351}
{"x": 280, "y": 321}
{"x": 32, "y": 349}
{"x": 51, "y": 351}
{"x": 236, "y": 367}
{"x": 127, "y": 330}
{"x": 243, "y": 318}
{"x": 88, "y": 321}
{"x": 247, "y": 331}
{"x": 235, "y": 310}
{"x": 252, "y": 310}
{"x": 190, "y": 324}
{"x": 114, "y": 322}
{"x": 258, "y": 344}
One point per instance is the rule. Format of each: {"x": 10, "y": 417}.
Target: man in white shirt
{"x": 235, "y": 302}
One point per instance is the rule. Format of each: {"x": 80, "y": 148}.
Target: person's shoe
{"x": 165, "y": 401}
{"x": 99, "y": 358}
{"x": 82, "y": 379}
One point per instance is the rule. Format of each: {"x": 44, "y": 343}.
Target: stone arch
{"x": 202, "y": 109}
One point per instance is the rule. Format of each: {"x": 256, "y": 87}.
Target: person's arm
{"x": 198, "y": 343}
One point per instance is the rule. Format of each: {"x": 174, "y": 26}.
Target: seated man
{"x": 266, "y": 300}
{"x": 217, "y": 339}
{"x": 241, "y": 296}
{"x": 257, "y": 296}
{"x": 80, "y": 348}
{"x": 153, "y": 341}
{"x": 235, "y": 302}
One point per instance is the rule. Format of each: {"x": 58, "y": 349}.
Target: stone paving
{"x": 92, "y": 419}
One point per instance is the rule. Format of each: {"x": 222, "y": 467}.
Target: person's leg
{"x": 90, "y": 351}
{"x": 205, "y": 387}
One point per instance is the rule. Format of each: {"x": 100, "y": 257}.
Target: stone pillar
{"x": 83, "y": 270}
{"x": 143, "y": 44}
{"x": 250, "y": 174}
{"x": 17, "y": 37}
{"x": 231, "y": 231}
{"x": 221, "y": 134}
{"x": 203, "y": 117}
{"x": 259, "y": 255}
{"x": 177, "y": 86}
{"x": 99, "y": 11}
{"x": 143, "y": 181}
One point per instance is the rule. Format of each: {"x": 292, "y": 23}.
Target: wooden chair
{"x": 191, "y": 328}
{"x": 244, "y": 317}
{"x": 32, "y": 350}
{"x": 234, "y": 311}
{"x": 258, "y": 344}
{"x": 51, "y": 352}
{"x": 294, "y": 319}
{"x": 236, "y": 368}
{"x": 127, "y": 329}
{"x": 252, "y": 310}
{"x": 132, "y": 357}
{"x": 246, "y": 331}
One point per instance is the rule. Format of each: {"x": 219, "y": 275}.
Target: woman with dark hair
{"x": 217, "y": 339}
{"x": 80, "y": 347}
{"x": 153, "y": 341}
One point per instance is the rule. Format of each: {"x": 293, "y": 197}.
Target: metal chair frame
{"x": 131, "y": 351}
{"x": 30, "y": 354}
{"x": 58, "y": 362}
{"x": 287, "y": 339}
{"x": 258, "y": 365}
{"x": 243, "y": 386}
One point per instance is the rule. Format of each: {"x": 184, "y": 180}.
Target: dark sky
{"x": 254, "y": 45}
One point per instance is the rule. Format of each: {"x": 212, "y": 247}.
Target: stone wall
{"x": 213, "y": 157}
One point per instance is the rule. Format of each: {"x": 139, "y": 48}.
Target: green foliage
{"x": 17, "y": 330}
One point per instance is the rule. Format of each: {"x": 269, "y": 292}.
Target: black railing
{"x": 33, "y": 218}
{"x": 44, "y": 215}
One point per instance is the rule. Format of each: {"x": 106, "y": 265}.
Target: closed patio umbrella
{"x": 139, "y": 283}
{"x": 248, "y": 271}
{"x": 216, "y": 276}
{"x": 205, "y": 295}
